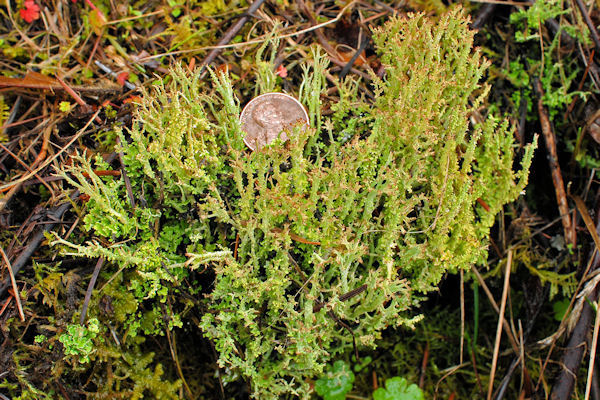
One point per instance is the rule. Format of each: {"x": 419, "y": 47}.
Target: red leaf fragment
{"x": 31, "y": 12}
{"x": 122, "y": 77}
{"x": 483, "y": 204}
{"x": 132, "y": 99}
{"x": 281, "y": 71}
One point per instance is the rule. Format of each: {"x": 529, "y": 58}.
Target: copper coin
{"x": 269, "y": 116}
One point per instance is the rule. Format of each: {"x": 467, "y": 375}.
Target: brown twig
{"x": 88, "y": 293}
{"x": 320, "y": 36}
{"x": 6, "y": 304}
{"x": 102, "y": 172}
{"x": 354, "y": 292}
{"x": 40, "y": 157}
{"x": 573, "y": 355}
{"x": 237, "y": 243}
{"x": 424, "y": 366}
{"x": 581, "y": 82}
{"x": 559, "y": 186}
{"x": 571, "y": 360}
{"x": 333, "y": 54}
{"x": 76, "y": 97}
{"x": 358, "y": 52}
{"x": 231, "y": 32}
{"x": 14, "y": 283}
{"x": 56, "y": 155}
{"x": 27, "y": 167}
{"x": 35, "y": 241}
{"x": 589, "y": 23}
{"x": 173, "y": 349}
{"x": 483, "y": 14}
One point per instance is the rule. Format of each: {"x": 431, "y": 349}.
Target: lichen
{"x": 320, "y": 242}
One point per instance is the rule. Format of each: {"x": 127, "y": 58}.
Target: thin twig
{"x": 357, "y": 54}
{"x": 573, "y": 354}
{"x": 40, "y": 157}
{"x": 173, "y": 349}
{"x": 53, "y": 216}
{"x": 255, "y": 41}
{"x": 559, "y": 186}
{"x": 55, "y": 156}
{"x": 588, "y": 386}
{"x": 511, "y": 337}
{"x": 14, "y": 284}
{"x": 483, "y": 14}
{"x": 231, "y": 32}
{"x": 424, "y": 366}
{"x": 34, "y": 243}
{"x": 88, "y": 293}
{"x": 27, "y": 167}
{"x": 589, "y": 23}
{"x": 505, "y": 290}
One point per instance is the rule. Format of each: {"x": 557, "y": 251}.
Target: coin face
{"x": 268, "y": 116}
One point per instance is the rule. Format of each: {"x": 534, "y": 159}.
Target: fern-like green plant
{"x": 319, "y": 242}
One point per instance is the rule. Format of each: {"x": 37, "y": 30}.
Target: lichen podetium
{"x": 354, "y": 219}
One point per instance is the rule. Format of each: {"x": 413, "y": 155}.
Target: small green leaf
{"x": 560, "y": 309}
{"x": 65, "y": 106}
{"x": 336, "y": 383}
{"x": 397, "y": 388}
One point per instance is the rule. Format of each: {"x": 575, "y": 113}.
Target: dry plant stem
{"x": 571, "y": 360}
{"x": 231, "y": 32}
{"x": 333, "y": 55}
{"x": 34, "y": 243}
{"x": 424, "y": 366}
{"x": 506, "y": 326}
{"x": 88, "y": 293}
{"x": 484, "y": 13}
{"x": 173, "y": 349}
{"x": 589, "y": 23}
{"x": 588, "y": 386}
{"x": 5, "y": 306}
{"x": 42, "y": 154}
{"x": 358, "y": 52}
{"x": 587, "y": 220}
{"x": 313, "y": 21}
{"x": 505, "y": 290}
{"x": 573, "y": 355}
{"x": 55, "y": 156}
{"x": 581, "y": 82}
{"x": 76, "y": 97}
{"x": 29, "y": 169}
{"x": 14, "y": 284}
{"x": 559, "y": 186}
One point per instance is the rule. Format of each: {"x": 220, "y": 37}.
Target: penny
{"x": 269, "y": 116}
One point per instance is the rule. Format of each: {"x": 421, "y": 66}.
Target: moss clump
{"x": 351, "y": 220}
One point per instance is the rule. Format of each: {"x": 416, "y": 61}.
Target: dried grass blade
{"x": 500, "y": 323}
{"x": 14, "y": 284}
{"x": 587, "y": 219}
{"x": 588, "y": 385}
